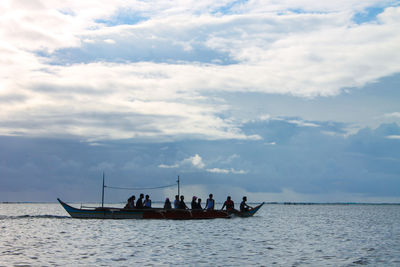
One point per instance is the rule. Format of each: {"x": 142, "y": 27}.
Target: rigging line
{"x": 139, "y": 188}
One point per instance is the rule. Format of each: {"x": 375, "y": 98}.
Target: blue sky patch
{"x": 368, "y": 15}
{"x": 227, "y": 9}
{"x": 160, "y": 52}
{"x": 123, "y": 17}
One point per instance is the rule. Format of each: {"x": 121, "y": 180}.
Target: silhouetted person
{"x": 194, "y": 203}
{"x": 244, "y": 206}
{"x": 167, "y": 204}
{"x": 182, "y": 204}
{"x": 199, "y": 204}
{"x": 230, "y": 206}
{"x": 139, "y": 202}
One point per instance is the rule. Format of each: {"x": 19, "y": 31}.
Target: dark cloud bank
{"x": 307, "y": 160}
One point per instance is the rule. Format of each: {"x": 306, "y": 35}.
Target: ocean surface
{"x": 279, "y": 235}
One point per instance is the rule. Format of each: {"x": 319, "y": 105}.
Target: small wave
{"x": 119, "y": 259}
{"x": 27, "y": 216}
{"x": 361, "y": 261}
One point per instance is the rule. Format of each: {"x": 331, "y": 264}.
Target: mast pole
{"x": 102, "y": 194}
{"x": 178, "y": 187}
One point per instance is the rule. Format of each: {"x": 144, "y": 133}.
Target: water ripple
{"x": 283, "y": 235}
{"x": 26, "y": 216}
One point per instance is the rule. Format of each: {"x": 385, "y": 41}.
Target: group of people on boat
{"x": 140, "y": 203}
{"x": 144, "y": 202}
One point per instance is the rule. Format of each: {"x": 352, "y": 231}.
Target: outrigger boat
{"x": 151, "y": 213}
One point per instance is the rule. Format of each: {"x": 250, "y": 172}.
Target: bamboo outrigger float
{"x": 151, "y": 213}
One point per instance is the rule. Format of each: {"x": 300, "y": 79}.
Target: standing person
{"x": 210, "y": 203}
{"x": 176, "y": 202}
{"x": 167, "y": 204}
{"x": 147, "y": 202}
{"x": 139, "y": 202}
{"x": 230, "y": 206}
{"x": 194, "y": 203}
{"x": 182, "y": 204}
{"x": 244, "y": 206}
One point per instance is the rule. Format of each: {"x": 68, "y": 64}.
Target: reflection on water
{"x": 285, "y": 235}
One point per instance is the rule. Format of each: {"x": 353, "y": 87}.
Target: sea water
{"x": 280, "y": 235}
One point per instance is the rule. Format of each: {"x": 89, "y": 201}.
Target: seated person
{"x": 131, "y": 203}
{"x": 139, "y": 202}
{"x": 194, "y": 203}
{"x": 230, "y": 206}
{"x": 244, "y": 206}
{"x": 147, "y": 202}
{"x": 176, "y": 202}
{"x": 167, "y": 204}
{"x": 210, "y": 203}
{"x": 199, "y": 204}
{"x": 182, "y": 204}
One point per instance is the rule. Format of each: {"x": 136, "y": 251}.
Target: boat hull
{"x": 154, "y": 213}
{"x": 248, "y": 213}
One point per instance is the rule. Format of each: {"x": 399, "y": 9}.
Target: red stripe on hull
{"x": 184, "y": 214}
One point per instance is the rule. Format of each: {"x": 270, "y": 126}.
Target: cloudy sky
{"x": 279, "y": 100}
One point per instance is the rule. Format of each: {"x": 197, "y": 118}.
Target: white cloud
{"x": 238, "y": 171}
{"x": 195, "y": 161}
{"x": 218, "y": 170}
{"x": 269, "y": 49}
{"x": 393, "y": 137}
{"x": 265, "y": 117}
{"x": 164, "y": 166}
{"x": 270, "y": 143}
{"x": 226, "y": 171}
{"x": 303, "y": 123}
{"x": 109, "y": 41}
{"x": 393, "y": 115}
